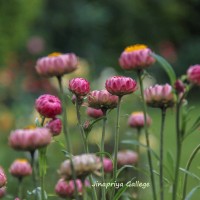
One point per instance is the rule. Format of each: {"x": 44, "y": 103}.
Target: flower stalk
{"x": 139, "y": 73}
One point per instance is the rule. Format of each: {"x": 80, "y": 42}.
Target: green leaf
{"x": 170, "y": 162}
{"x": 189, "y": 173}
{"x": 194, "y": 127}
{"x": 189, "y": 196}
{"x": 135, "y": 142}
{"x": 105, "y": 153}
{"x": 164, "y": 178}
{"x": 167, "y": 67}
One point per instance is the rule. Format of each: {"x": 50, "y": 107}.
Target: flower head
{"x": 136, "y": 120}
{"x": 67, "y": 188}
{"x": 102, "y": 99}
{"x": 3, "y": 178}
{"x": 121, "y": 85}
{"x": 20, "y": 168}
{"x": 179, "y": 86}
{"x": 159, "y": 96}
{"x": 94, "y": 113}
{"x": 55, "y": 126}
{"x": 56, "y": 64}
{"x": 48, "y": 105}
{"x": 136, "y": 57}
{"x": 193, "y": 74}
{"x": 79, "y": 86}
{"x": 127, "y": 157}
{"x": 83, "y": 165}
{"x": 29, "y": 139}
{"x": 2, "y": 191}
{"x": 107, "y": 165}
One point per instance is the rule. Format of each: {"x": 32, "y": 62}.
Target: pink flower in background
{"x": 55, "y": 126}
{"x": 48, "y": 105}
{"x": 179, "y": 86}
{"x": 79, "y": 86}
{"x": 57, "y": 64}
{"x": 3, "y": 178}
{"x": 121, "y": 85}
{"x": 20, "y": 168}
{"x": 193, "y": 74}
{"x": 102, "y": 99}
{"x": 136, "y": 57}
{"x": 36, "y": 45}
{"x": 107, "y": 165}
{"x": 127, "y": 157}
{"x": 29, "y": 139}
{"x": 67, "y": 188}
{"x": 136, "y": 120}
{"x": 94, "y": 113}
{"x": 159, "y": 96}
{"x": 2, "y": 192}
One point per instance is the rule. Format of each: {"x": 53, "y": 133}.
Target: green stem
{"x": 116, "y": 144}
{"x": 139, "y": 73}
{"x": 85, "y": 144}
{"x": 192, "y": 156}
{"x": 66, "y": 133}
{"x": 163, "y": 110}
{"x": 34, "y": 178}
{"x": 178, "y": 151}
{"x": 20, "y": 188}
{"x": 102, "y": 155}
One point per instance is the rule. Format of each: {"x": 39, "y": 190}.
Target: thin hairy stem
{"x": 139, "y": 73}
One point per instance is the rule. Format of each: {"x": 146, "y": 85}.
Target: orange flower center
{"x": 136, "y": 113}
{"x": 54, "y": 54}
{"x": 30, "y": 127}
{"x": 135, "y": 47}
{"x": 21, "y": 160}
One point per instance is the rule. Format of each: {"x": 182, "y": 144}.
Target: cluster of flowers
{"x": 137, "y": 58}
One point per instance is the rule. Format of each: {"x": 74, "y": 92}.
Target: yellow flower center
{"x": 54, "y": 54}
{"x": 137, "y": 113}
{"x": 30, "y": 127}
{"x": 135, "y": 47}
{"x": 21, "y": 160}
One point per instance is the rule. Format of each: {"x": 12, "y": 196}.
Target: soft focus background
{"x": 97, "y": 31}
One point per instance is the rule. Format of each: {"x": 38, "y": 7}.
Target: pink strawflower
{"x": 121, "y": 85}
{"x": 136, "y": 120}
{"x": 83, "y": 165}
{"x": 127, "y": 157}
{"x": 179, "y": 86}
{"x": 79, "y": 86}
{"x": 55, "y": 126}
{"x": 159, "y": 96}
{"x": 2, "y": 192}
{"x": 29, "y": 139}
{"x": 56, "y": 64}
{"x": 20, "y": 168}
{"x": 193, "y": 74}
{"x": 107, "y": 165}
{"x": 102, "y": 99}
{"x": 136, "y": 57}
{"x": 3, "y": 178}
{"x": 67, "y": 188}
{"x": 94, "y": 113}
{"x": 48, "y": 105}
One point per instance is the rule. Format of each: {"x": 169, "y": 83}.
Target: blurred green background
{"x": 97, "y": 31}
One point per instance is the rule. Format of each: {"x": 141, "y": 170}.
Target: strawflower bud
{"x": 67, "y": 188}
{"x": 3, "y": 178}
{"x": 56, "y": 64}
{"x": 55, "y": 126}
{"x": 20, "y": 168}
{"x": 107, "y": 165}
{"x": 179, "y": 86}
{"x": 136, "y": 57}
{"x": 136, "y": 120}
{"x": 121, "y": 85}
{"x": 193, "y": 74}
{"x": 2, "y": 192}
{"x": 159, "y": 96}
{"x": 83, "y": 165}
{"x": 127, "y": 157}
{"x": 94, "y": 113}
{"x": 29, "y": 139}
{"x": 79, "y": 86}
{"x": 48, "y": 105}
{"x": 102, "y": 99}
